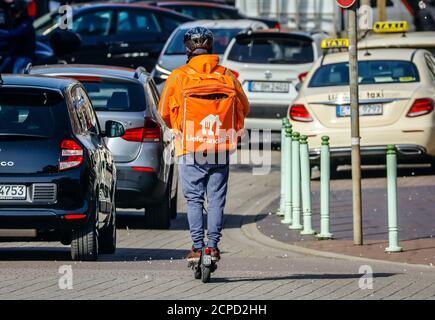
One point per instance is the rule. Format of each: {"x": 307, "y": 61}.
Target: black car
{"x": 128, "y": 35}
{"x": 144, "y": 155}
{"x": 57, "y": 176}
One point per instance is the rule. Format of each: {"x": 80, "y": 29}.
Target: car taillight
{"x": 150, "y": 132}
{"x": 298, "y": 112}
{"x": 278, "y": 26}
{"x": 235, "y": 73}
{"x": 71, "y": 155}
{"x": 302, "y": 76}
{"x": 421, "y": 107}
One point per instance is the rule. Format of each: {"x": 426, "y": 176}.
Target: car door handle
{"x": 120, "y": 44}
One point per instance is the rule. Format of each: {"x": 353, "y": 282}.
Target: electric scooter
{"x": 204, "y": 267}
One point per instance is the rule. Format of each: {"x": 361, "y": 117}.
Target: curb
{"x": 251, "y": 231}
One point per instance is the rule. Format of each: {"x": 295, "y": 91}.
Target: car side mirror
{"x": 298, "y": 86}
{"x": 114, "y": 129}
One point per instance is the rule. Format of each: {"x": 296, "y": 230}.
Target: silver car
{"x": 147, "y": 177}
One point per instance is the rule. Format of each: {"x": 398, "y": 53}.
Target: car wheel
{"x": 174, "y": 202}
{"x": 107, "y": 236}
{"x": 158, "y": 216}
{"x": 84, "y": 244}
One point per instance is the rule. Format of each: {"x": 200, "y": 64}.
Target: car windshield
{"x": 44, "y": 24}
{"x": 116, "y": 96}
{"x": 209, "y": 13}
{"x": 268, "y": 49}
{"x": 370, "y": 72}
{"x": 222, "y": 38}
{"x": 28, "y": 114}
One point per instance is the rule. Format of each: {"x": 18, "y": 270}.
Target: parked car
{"x": 147, "y": 177}
{"x": 397, "y": 93}
{"x": 174, "y": 53}
{"x": 212, "y": 11}
{"x": 270, "y": 64}
{"x": 129, "y": 35}
{"x": 57, "y": 176}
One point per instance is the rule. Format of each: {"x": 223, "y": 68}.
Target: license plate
{"x": 12, "y": 192}
{"x": 364, "y": 110}
{"x": 264, "y": 86}
{"x": 206, "y": 260}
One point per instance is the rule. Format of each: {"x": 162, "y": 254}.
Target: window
{"x": 96, "y": 23}
{"x": 370, "y": 72}
{"x": 273, "y": 50}
{"x": 29, "y": 113}
{"x": 206, "y": 12}
{"x": 85, "y": 114}
{"x": 168, "y": 23}
{"x": 222, "y": 38}
{"x": 116, "y": 96}
{"x": 136, "y": 22}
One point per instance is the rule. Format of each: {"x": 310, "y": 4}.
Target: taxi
{"x": 396, "y": 96}
{"x": 394, "y": 34}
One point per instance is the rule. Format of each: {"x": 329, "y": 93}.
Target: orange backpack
{"x": 208, "y": 111}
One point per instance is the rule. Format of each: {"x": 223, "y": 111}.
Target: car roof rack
{"x": 139, "y": 71}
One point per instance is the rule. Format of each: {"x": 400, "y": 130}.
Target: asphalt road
{"x": 149, "y": 264}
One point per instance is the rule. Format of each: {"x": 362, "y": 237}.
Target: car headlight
{"x": 161, "y": 73}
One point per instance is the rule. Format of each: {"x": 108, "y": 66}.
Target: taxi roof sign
{"x": 390, "y": 26}
{"x": 335, "y": 43}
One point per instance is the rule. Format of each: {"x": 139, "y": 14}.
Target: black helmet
{"x": 198, "y": 40}
{"x": 19, "y": 7}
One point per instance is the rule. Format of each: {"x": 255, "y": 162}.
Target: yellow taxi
{"x": 394, "y": 35}
{"x": 396, "y": 96}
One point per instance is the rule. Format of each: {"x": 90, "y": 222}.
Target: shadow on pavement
{"x": 63, "y": 254}
{"x": 136, "y": 221}
{"x": 302, "y": 277}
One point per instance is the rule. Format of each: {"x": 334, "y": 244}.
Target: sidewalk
{"x": 416, "y": 204}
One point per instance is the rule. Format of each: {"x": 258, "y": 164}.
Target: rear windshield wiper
{"x": 286, "y": 61}
{"x": 5, "y": 136}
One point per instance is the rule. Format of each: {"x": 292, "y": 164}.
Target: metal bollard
{"x": 285, "y": 122}
{"x": 288, "y": 176}
{"x": 306, "y": 186}
{"x": 296, "y": 183}
{"x": 393, "y": 237}
{"x": 325, "y": 176}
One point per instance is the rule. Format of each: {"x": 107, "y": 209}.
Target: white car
{"x": 270, "y": 65}
{"x": 397, "y": 93}
{"x": 173, "y": 54}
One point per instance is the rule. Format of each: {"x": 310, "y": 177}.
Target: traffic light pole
{"x": 355, "y": 130}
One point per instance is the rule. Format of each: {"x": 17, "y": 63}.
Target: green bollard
{"x": 325, "y": 175}
{"x": 393, "y": 237}
{"x": 288, "y": 176}
{"x": 296, "y": 183}
{"x": 281, "y": 208}
{"x": 306, "y": 186}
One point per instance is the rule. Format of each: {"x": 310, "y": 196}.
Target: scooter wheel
{"x": 198, "y": 273}
{"x": 206, "y": 273}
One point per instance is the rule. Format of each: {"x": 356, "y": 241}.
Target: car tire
{"x": 107, "y": 236}
{"x": 174, "y": 202}
{"x": 158, "y": 216}
{"x": 84, "y": 244}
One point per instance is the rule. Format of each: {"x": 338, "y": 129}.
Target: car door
{"x": 94, "y": 27}
{"x": 138, "y": 38}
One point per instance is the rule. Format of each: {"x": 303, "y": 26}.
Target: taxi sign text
{"x": 390, "y": 27}
{"x": 335, "y": 43}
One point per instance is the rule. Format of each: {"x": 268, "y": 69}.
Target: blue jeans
{"x": 198, "y": 179}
